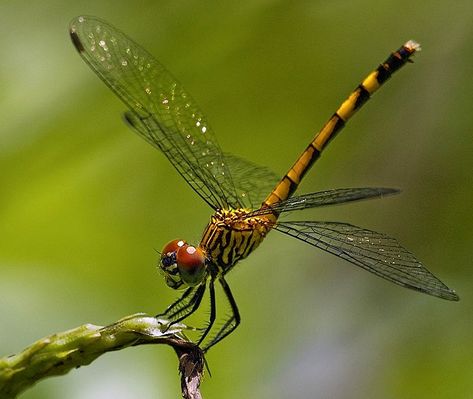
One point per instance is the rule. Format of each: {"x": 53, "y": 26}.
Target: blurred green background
{"x": 84, "y": 202}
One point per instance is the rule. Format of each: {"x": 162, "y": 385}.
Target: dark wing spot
{"x": 76, "y": 41}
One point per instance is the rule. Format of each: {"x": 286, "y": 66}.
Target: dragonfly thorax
{"x": 182, "y": 264}
{"x": 232, "y": 235}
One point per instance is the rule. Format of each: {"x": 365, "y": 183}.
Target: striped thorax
{"x": 232, "y": 235}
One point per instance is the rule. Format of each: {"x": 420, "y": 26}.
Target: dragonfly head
{"x": 182, "y": 264}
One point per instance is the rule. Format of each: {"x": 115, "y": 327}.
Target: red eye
{"x": 173, "y": 246}
{"x": 189, "y": 257}
{"x": 191, "y": 264}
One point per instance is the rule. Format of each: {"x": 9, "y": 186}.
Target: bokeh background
{"x": 84, "y": 203}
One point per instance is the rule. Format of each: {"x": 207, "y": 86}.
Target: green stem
{"x": 58, "y": 353}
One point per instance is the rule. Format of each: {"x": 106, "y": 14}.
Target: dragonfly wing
{"x": 375, "y": 252}
{"x": 146, "y": 127}
{"x": 328, "y": 197}
{"x": 252, "y": 182}
{"x": 162, "y": 111}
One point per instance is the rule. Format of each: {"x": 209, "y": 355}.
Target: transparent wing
{"x": 375, "y": 252}
{"x": 324, "y": 198}
{"x": 252, "y": 182}
{"x": 162, "y": 111}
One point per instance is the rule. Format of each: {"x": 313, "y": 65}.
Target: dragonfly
{"x": 248, "y": 200}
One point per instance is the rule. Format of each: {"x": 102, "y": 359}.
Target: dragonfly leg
{"x": 231, "y": 323}
{"x": 186, "y": 305}
{"x": 213, "y": 311}
{"x": 176, "y": 303}
{"x": 192, "y": 305}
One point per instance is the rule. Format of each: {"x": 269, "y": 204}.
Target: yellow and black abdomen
{"x": 289, "y": 183}
{"x": 231, "y": 236}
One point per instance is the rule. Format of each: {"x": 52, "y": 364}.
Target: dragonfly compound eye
{"x": 168, "y": 263}
{"x": 191, "y": 264}
{"x": 172, "y": 246}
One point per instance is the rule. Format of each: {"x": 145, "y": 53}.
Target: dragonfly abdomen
{"x": 231, "y": 236}
{"x": 289, "y": 183}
